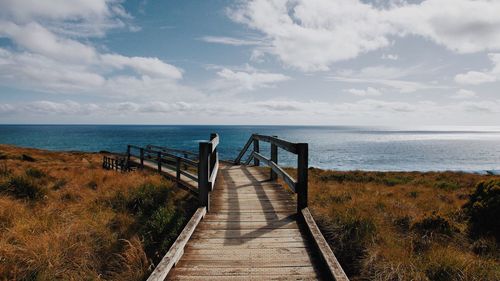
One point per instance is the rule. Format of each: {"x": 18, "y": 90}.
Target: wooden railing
{"x": 163, "y": 160}
{"x": 115, "y": 162}
{"x": 203, "y": 170}
{"x": 208, "y": 166}
{"x": 298, "y": 186}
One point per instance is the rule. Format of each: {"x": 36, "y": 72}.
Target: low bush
{"x": 24, "y": 188}
{"x": 26, "y": 157}
{"x": 434, "y": 225}
{"x": 483, "y": 209}
{"x": 349, "y": 235}
{"x": 34, "y": 173}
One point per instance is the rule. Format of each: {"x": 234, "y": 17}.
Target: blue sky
{"x": 319, "y": 62}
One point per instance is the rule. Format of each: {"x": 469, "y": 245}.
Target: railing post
{"x": 159, "y": 161}
{"x": 185, "y": 165}
{"x": 256, "y": 148}
{"x": 213, "y": 155}
{"x": 302, "y": 175}
{"x": 128, "y": 157}
{"x": 178, "y": 168}
{"x": 142, "y": 158}
{"x": 203, "y": 167}
{"x": 274, "y": 158}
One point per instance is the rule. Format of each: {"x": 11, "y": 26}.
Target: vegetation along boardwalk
{"x": 248, "y": 226}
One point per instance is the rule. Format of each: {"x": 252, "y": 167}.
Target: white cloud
{"x": 391, "y": 77}
{"x": 51, "y": 52}
{"x": 230, "y": 41}
{"x": 35, "y": 38}
{"x": 464, "y": 94}
{"x": 75, "y": 18}
{"x": 481, "y": 77}
{"x": 246, "y": 80}
{"x": 310, "y": 35}
{"x": 474, "y": 78}
{"x": 145, "y": 66}
{"x": 363, "y": 93}
{"x": 390, "y": 57}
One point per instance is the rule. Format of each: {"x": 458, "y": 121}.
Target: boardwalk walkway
{"x": 251, "y": 233}
{"x": 247, "y": 226}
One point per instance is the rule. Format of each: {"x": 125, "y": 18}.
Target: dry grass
{"x": 402, "y": 226}
{"x": 62, "y": 217}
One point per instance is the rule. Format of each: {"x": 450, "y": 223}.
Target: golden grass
{"x": 402, "y": 226}
{"x": 72, "y": 229}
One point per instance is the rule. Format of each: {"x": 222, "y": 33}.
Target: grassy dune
{"x": 62, "y": 217}
{"x": 409, "y": 226}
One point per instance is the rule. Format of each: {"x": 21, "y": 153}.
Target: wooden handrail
{"x": 166, "y": 149}
{"x": 299, "y": 186}
{"x": 208, "y": 167}
{"x": 175, "y": 252}
{"x": 277, "y": 169}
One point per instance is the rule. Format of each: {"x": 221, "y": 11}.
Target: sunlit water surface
{"x": 341, "y": 148}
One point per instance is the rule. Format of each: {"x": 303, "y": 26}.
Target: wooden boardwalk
{"x": 251, "y": 233}
{"x": 247, "y": 226}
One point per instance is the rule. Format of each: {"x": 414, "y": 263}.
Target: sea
{"x": 470, "y": 149}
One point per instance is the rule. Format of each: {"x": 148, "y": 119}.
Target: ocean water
{"x": 335, "y": 147}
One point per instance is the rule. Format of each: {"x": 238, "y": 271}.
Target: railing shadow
{"x": 270, "y": 214}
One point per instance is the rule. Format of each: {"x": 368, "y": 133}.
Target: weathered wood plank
{"x": 175, "y": 252}
{"x": 334, "y": 268}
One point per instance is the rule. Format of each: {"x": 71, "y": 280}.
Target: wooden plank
{"x": 247, "y": 240}
{"x": 334, "y": 267}
{"x": 247, "y": 278}
{"x": 268, "y": 263}
{"x": 246, "y": 233}
{"x": 245, "y": 271}
{"x": 175, "y": 252}
{"x": 249, "y": 225}
{"x": 199, "y": 244}
{"x": 253, "y": 253}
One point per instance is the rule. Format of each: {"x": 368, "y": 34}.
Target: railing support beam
{"x": 256, "y": 148}
{"x": 274, "y": 158}
{"x": 203, "y": 168}
{"x": 302, "y": 176}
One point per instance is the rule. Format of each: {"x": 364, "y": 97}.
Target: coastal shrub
{"x": 402, "y": 223}
{"x": 444, "y": 270}
{"x": 60, "y": 183}
{"x": 413, "y": 194}
{"x": 4, "y": 170}
{"x": 144, "y": 200}
{"x": 349, "y": 235}
{"x": 160, "y": 230}
{"x": 434, "y": 225}
{"x": 158, "y": 221}
{"x": 92, "y": 184}
{"x": 486, "y": 246}
{"x": 388, "y": 179}
{"x": 34, "y": 173}
{"x": 23, "y": 187}
{"x": 483, "y": 209}
{"x": 26, "y": 157}
{"x": 447, "y": 185}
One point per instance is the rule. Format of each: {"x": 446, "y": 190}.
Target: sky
{"x": 290, "y": 62}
